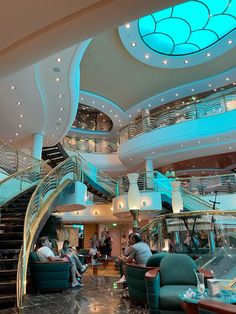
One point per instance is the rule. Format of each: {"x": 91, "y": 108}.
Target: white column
{"x": 149, "y": 173}
{"x": 177, "y": 200}
{"x": 134, "y": 199}
{"x": 37, "y": 145}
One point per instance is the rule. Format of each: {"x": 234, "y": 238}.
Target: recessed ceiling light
{"x": 127, "y": 25}
{"x": 162, "y": 99}
{"x": 192, "y": 89}
{"x": 186, "y": 61}
{"x": 12, "y": 87}
{"x": 209, "y": 85}
{"x": 61, "y": 109}
{"x": 176, "y": 94}
{"x": 133, "y": 44}
{"x": 57, "y": 79}
{"x": 60, "y": 95}
{"x": 57, "y": 128}
{"x": 230, "y": 147}
{"x": 81, "y": 98}
{"x": 59, "y": 60}
{"x": 10, "y": 140}
{"x": 18, "y": 103}
{"x": 208, "y": 54}
{"x": 103, "y": 106}
{"x": 165, "y": 61}
{"x": 19, "y": 125}
{"x": 149, "y": 105}
{"x": 93, "y": 101}
{"x": 230, "y": 42}
{"x": 21, "y": 116}
{"x": 147, "y": 56}
{"x": 130, "y": 116}
{"x": 182, "y": 145}
{"x": 59, "y": 119}
{"x": 215, "y": 89}
{"x": 199, "y": 142}
{"x": 227, "y": 79}
{"x": 17, "y": 134}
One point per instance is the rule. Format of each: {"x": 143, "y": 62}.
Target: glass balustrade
{"x": 212, "y": 105}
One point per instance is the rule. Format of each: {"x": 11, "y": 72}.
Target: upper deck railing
{"x": 212, "y": 105}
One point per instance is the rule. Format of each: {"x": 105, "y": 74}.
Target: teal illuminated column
{"x": 38, "y": 145}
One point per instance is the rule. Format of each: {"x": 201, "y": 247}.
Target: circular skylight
{"x": 188, "y": 27}
{"x": 182, "y": 31}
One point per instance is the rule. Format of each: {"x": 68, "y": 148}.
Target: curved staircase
{"x": 11, "y": 238}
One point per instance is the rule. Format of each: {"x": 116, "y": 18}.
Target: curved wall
{"x": 207, "y": 136}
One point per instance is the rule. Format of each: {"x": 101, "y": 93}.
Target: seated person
{"x": 46, "y": 254}
{"x": 139, "y": 253}
{"x": 66, "y": 251}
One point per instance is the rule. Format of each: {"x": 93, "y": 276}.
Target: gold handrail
{"x": 39, "y": 208}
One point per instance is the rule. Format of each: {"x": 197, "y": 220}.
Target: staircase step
{"x": 9, "y": 253}
{"x": 7, "y": 274}
{"x": 12, "y": 219}
{"x": 11, "y": 235}
{"x": 7, "y": 287}
{"x": 9, "y": 244}
{"x": 11, "y": 227}
{"x": 8, "y": 301}
{"x": 8, "y": 261}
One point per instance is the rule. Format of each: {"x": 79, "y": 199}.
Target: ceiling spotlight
{"x": 208, "y": 54}
{"x": 176, "y": 94}
{"x": 57, "y": 79}
{"x": 17, "y": 134}
{"x": 149, "y": 105}
{"x": 81, "y": 98}
{"x": 18, "y": 103}
{"x": 186, "y": 61}
{"x": 227, "y": 79}
{"x": 147, "y": 56}
{"x": 21, "y": 116}
{"x": 93, "y": 101}
{"x": 60, "y": 95}
{"x": 19, "y": 125}
{"x": 230, "y": 42}
{"x": 127, "y": 25}
{"x": 192, "y": 89}
{"x": 61, "y": 108}
{"x": 133, "y": 44}
{"x": 58, "y": 59}
{"x": 130, "y": 116}
{"x": 165, "y": 62}
{"x": 209, "y": 85}
{"x": 12, "y": 87}
{"x": 162, "y": 99}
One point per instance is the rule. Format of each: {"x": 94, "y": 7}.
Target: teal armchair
{"x": 135, "y": 276}
{"x": 176, "y": 274}
{"x": 48, "y": 275}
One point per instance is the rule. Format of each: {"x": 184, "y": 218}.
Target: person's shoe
{"x": 122, "y": 280}
{"x": 76, "y": 284}
{"x": 84, "y": 268}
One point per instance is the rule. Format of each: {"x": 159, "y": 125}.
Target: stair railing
{"x": 13, "y": 160}
{"x": 20, "y": 181}
{"x": 39, "y": 209}
{"x": 155, "y": 181}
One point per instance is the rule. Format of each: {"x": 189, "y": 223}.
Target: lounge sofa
{"x": 48, "y": 275}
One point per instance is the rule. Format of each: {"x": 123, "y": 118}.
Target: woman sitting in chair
{"x": 67, "y": 252}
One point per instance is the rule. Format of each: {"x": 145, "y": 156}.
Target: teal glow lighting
{"x": 188, "y": 27}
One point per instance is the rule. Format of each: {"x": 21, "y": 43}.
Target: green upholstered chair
{"x": 48, "y": 275}
{"x": 135, "y": 276}
{"x": 176, "y": 274}
{"x": 214, "y": 307}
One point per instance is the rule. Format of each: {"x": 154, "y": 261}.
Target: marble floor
{"x": 99, "y": 295}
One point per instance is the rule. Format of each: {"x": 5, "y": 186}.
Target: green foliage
{"x": 53, "y": 224}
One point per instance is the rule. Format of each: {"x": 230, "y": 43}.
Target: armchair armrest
{"x": 216, "y": 307}
{"x": 152, "y": 274}
{"x": 207, "y": 274}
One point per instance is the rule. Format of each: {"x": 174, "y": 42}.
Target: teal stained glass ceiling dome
{"x": 182, "y": 30}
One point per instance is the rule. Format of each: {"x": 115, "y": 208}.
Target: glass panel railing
{"x": 155, "y": 181}
{"x": 39, "y": 208}
{"x": 210, "y": 184}
{"x": 207, "y": 236}
{"x": 12, "y": 160}
{"x": 212, "y": 105}
{"x": 21, "y": 181}
{"x": 89, "y": 145}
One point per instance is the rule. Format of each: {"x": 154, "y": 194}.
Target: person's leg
{"x": 78, "y": 263}
{"x": 73, "y": 272}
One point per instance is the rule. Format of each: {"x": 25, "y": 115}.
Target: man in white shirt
{"x": 46, "y": 254}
